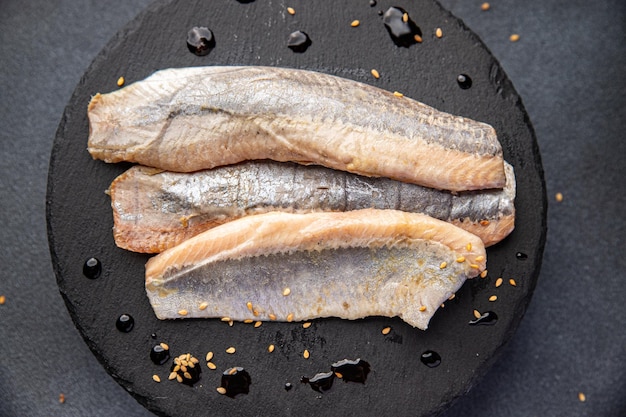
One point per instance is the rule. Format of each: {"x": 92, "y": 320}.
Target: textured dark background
{"x": 569, "y": 67}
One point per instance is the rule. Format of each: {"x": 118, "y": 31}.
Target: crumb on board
{"x": 61, "y": 398}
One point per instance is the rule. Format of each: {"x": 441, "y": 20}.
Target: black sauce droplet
{"x": 430, "y": 359}
{"x": 403, "y": 31}
{"x": 464, "y": 81}
{"x": 373, "y": 3}
{"x": 200, "y": 41}
{"x": 288, "y": 386}
{"x": 125, "y": 323}
{"x": 486, "y": 319}
{"x": 92, "y": 268}
{"x": 236, "y": 381}
{"x": 188, "y": 371}
{"x": 320, "y": 382}
{"x": 351, "y": 371}
{"x": 153, "y": 335}
{"x": 159, "y": 355}
{"x": 298, "y": 41}
{"x": 521, "y": 255}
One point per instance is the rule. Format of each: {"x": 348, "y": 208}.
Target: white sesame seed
{"x": 230, "y": 350}
{"x": 386, "y": 330}
{"x": 221, "y": 390}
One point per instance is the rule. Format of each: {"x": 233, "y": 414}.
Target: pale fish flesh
{"x": 189, "y": 119}
{"x": 154, "y": 210}
{"x": 294, "y": 267}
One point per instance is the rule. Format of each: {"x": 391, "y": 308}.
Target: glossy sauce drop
{"x": 92, "y": 268}
{"x": 320, "y": 382}
{"x": 430, "y": 359}
{"x": 464, "y": 81}
{"x": 200, "y": 41}
{"x": 298, "y": 41}
{"x": 373, "y": 3}
{"x": 521, "y": 255}
{"x": 125, "y": 323}
{"x": 236, "y": 381}
{"x": 288, "y": 386}
{"x": 351, "y": 371}
{"x": 159, "y": 355}
{"x": 403, "y": 31}
{"x": 486, "y": 319}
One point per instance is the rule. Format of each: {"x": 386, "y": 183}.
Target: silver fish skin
{"x": 154, "y": 210}
{"x": 295, "y": 267}
{"x": 189, "y": 119}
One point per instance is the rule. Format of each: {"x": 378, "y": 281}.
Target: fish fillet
{"x": 189, "y": 119}
{"x": 334, "y": 264}
{"x": 154, "y": 210}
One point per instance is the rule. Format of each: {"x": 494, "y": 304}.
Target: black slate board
{"x": 255, "y": 33}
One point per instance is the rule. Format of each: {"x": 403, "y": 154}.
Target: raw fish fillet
{"x": 189, "y": 119}
{"x": 334, "y": 264}
{"x": 154, "y": 210}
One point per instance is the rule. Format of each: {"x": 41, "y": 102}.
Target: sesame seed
{"x": 120, "y": 81}
{"x": 484, "y": 222}
{"x": 156, "y": 378}
{"x": 61, "y": 398}
{"x": 290, "y": 317}
{"x": 221, "y": 390}
{"x": 270, "y": 348}
{"x": 443, "y": 265}
{"x": 474, "y": 266}
{"x": 172, "y": 376}
{"x": 582, "y": 397}
{"x": 232, "y": 371}
{"x": 512, "y": 282}
{"x": 493, "y": 298}
{"x": 183, "y": 368}
{"x": 258, "y": 324}
{"x": 230, "y": 323}
{"x": 498, "y": 282}
{"x": 451, "y": 297}
{"x": 355, "y": 23}
{"x": 3, "y": 299}
{"x": 203, "y": 306}
{"x": 248, "y": 321}
{"x": 272, "y": 317}
{"x": 468, "y": 247}
{"x": 306, "y": 325}
{"x": 438, "y": 33}
{"x": 306, "y": 354}
{"x": 375, "y": 74}
{"x": 191, "y": 365}
{"x": 442, "y": 305}
{"x": 179, "y": 378}
{"x": 338, "y": 375}
{"x": 514, "y": 37}
{"x": 460, "y": 259}
{"x": 209, "y": 356}
{"x": 479, "y": 258}
{"x": 398, "y": 94}
{"x": 226, "y": 319}
{"x": 485, "y": 6}
{"x": 183, "y": 312}
{"x": 249, "y": 305}
{"x": 256, "y": 313}
{"x": 477, "y": 314}
{"x": 230, "y": 350}
{"x": 386, "y": 330}
{"x": 164, "y": 346}
{"x": 211, "y": 365}
{"x": 483, "y": 274}
{"x": 291, "y": 10}
{"x": 417, "y": 38}
{"x": 194, "y": 360}
{"x": 558, "y": 197}
{"x": 177, "y": 368}
{"x": 286, "y": 291}
{"x": 177, "y": 361}
{"x": 405, "y": 17}
{"x": 422, "y": 308}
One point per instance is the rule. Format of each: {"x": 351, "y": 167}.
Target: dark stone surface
{"x": 571, "y": 339}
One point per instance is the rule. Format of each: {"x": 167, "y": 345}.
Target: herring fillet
{"x": 189, "y": 119}
{"x": 154, "y": 210}
{"x": 336, "y": 264}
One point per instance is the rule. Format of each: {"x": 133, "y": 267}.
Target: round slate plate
{"x": 255, "y": 33}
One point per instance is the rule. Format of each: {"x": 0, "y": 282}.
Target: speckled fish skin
{"x": 154, "y": 210}
{"x": 349, "y": 264}
{"x": 189, "y": 119}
